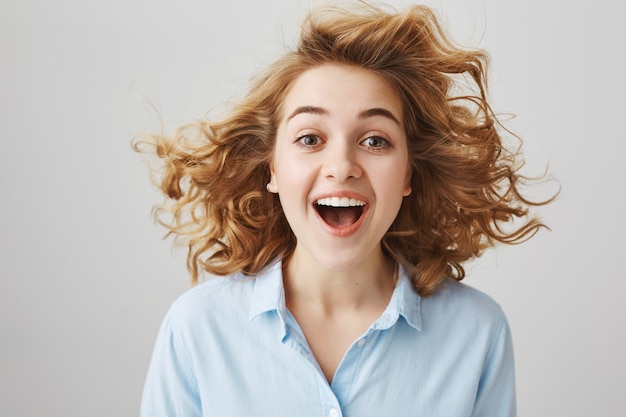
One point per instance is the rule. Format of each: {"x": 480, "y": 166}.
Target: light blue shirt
{"x": 229, "y": 347}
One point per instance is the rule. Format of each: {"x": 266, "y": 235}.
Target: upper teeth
{"x": 340, "y": 202}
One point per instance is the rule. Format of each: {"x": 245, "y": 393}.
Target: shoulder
{"x": 456, "y": 296}
{"x": 459, "y": 303}
{"x": 213, "y": 298}
{"x": 464, "y": 295}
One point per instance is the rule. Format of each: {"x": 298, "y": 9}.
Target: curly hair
{"x": 466, "y": 184}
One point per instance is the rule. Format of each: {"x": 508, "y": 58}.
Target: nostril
{"x": 341, "y": 170}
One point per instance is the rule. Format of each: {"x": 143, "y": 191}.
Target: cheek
{"x": 394, "y": 181}
{"x": 288, "y": 173}
{"x": 398, "y": 170}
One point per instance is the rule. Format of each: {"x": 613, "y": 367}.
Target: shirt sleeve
{"x": 171, "y": 389}
{"x": 496, "y": 390}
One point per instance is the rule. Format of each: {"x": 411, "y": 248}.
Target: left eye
{"x": 375, "y": 142}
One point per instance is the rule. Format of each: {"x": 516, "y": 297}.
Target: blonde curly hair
{"x": 466, "y": 184}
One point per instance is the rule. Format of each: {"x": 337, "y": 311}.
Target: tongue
{"x": 340, "y": 217}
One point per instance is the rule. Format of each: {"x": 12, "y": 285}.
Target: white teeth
{"x": 340, "y": 202}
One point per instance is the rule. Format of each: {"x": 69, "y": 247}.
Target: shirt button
{"x": 333, "y": 412}
{"x": 361, "y": 343}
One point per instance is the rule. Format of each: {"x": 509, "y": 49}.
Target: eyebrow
{"x": 377, "y": 111}
{"x": 307, "y": 109}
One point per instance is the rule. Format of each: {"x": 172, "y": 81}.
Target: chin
{"x": 337, "y": 259}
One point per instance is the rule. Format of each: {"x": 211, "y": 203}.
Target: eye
{"x": 375, "y": 142}
{"x": 308, "y": 141}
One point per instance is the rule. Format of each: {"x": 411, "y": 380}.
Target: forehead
{"x": 342, "y": 88}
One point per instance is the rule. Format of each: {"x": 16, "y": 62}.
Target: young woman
{"x": 337, "y": 203}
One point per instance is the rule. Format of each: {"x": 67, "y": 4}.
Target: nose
{"x": 340, "y": 162}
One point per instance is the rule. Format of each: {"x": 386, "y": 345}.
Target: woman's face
{"x": 340, "y": 164}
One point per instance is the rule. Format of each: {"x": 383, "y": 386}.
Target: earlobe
{"x": 272, "y": 186}
{"x": 407, "y": 183}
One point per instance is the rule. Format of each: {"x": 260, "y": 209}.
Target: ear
{"x": 272, "y": 186}
{"x": 407, "y": 181}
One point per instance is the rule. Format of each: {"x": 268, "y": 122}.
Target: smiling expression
{"x": 340, "y": 164}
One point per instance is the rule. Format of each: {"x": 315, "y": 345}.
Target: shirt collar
{"x": 404, "y": 302}
{"x": 269, "y": 295}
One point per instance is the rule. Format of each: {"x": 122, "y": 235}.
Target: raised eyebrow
{"x": 377, "y": 111}
{"x": 307, "y": 109}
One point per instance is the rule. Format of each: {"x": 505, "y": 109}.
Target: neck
{"x": 368, "y": 284}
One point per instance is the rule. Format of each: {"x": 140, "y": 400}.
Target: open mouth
{"x": 340, "y": 212}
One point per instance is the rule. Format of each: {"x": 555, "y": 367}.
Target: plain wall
{"x": 86, "y": 278}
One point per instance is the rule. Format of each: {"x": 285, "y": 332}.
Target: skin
{"x": 340, "y": 136}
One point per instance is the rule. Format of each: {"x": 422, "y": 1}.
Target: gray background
{"x": 86, "y": 278}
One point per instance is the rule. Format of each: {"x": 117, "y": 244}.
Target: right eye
{"x": 308, "y": 141}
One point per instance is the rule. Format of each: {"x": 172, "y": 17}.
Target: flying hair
{"x": 466, "y": 183}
